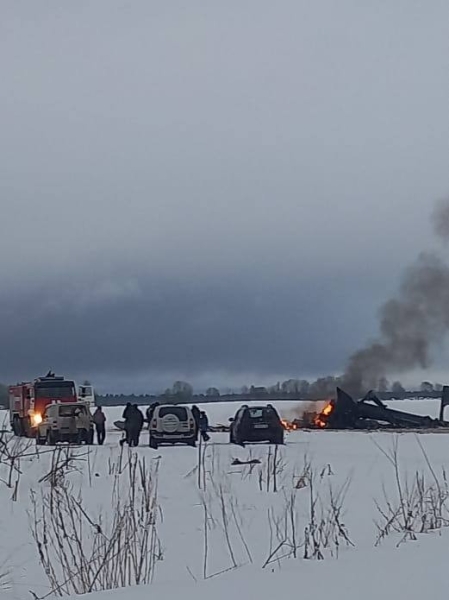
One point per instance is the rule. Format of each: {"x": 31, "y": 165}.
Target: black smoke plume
{"x": 411, "y": 323}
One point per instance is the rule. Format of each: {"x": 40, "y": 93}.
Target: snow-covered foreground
{"x": 228, "y": 534}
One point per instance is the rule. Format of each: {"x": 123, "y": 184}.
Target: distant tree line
{"x": 295, "y": 389}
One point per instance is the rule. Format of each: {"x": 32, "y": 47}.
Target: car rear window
{"x": 69, "y": 411}
{"x": 179, "y": 411}
{"x": 262, "y": 413}
{"x": 256, "y": 413}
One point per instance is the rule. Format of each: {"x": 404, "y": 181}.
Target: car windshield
{"x": 179, "y": 411}
{"x": 59, "y": 391}
{"x": 69, "y": 411}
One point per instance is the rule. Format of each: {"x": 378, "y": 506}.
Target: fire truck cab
{"x": 86, "y": 394}
{"x": 27, "y": 401}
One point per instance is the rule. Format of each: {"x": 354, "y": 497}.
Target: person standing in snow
{"x": 99, "y": 419}
{"x": 196, "y": 416}
{"x": 127, "y": 410}
{"x": 150, "y": 412}
{"x": 203, "y": 424}
{"x": 136, "y": 421}
{"x": 127, "y": 413}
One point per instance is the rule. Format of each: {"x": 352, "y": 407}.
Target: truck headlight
{"x": 36, "y": 419}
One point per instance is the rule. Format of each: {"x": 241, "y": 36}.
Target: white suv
{"x": 65, "y": 422}
{"x": 172, "y": 424}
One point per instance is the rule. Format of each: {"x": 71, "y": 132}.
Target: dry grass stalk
{"x": 12, "y": 451}
{"x": 81, "y": 553}
{"x": 419, "y": 503}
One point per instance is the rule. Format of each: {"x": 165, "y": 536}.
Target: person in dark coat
{"x": 128, "y": 408}
{"x": 99, "y": 419}
{"x": 126, "y": 414}
{"x": 150, "y": 412}
{"x": 136, "y": 421}
{"x": 196, "y": 416}
{"x": 204, "y": 426}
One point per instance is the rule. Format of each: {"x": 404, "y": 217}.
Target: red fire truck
{"x": 27, "y": 401}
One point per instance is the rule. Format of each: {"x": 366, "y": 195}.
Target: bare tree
{"x": 398, "y": 389}
{"x": 426, "y": 387}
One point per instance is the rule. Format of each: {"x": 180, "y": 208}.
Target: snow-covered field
{"x": 226, "y": 532}
{"x": 220, "y": 412}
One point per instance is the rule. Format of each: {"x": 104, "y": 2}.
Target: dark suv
{"x": 256, "y": 424}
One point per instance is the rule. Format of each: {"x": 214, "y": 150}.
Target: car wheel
{"x": 153, "y": 443}
{"x": 232, "y": 436}
{"x": 239, "y": 441}
{"x": 40, "y": 441}
{"x": 50, "y": 441}
{"x": 192, "y": 443}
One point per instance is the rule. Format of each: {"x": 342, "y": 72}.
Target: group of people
{"x": 134, "y": 422}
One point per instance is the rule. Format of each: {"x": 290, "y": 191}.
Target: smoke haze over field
{"x": 220, "y": 192}
{"x": 440, "y": 220}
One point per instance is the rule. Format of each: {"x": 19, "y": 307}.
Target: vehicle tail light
{"x": 154, "y": 423}
{"x": 191, "y": 423}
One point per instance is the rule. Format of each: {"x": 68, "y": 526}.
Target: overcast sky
{"x": 214, "y": 191}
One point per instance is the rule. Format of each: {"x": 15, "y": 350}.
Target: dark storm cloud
{"x": 129, "y": 327}
{"x": 204, "y": 186}
{"x": 146, "y": 325}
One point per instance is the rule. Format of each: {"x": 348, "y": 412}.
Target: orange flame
{"x": 321, "y": 419}
{"x": 289, "y": 425}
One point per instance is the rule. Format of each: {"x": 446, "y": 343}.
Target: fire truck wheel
{"x": 16, "y": 427}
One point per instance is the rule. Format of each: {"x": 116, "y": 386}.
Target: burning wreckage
{"x": 368, "y": 413}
